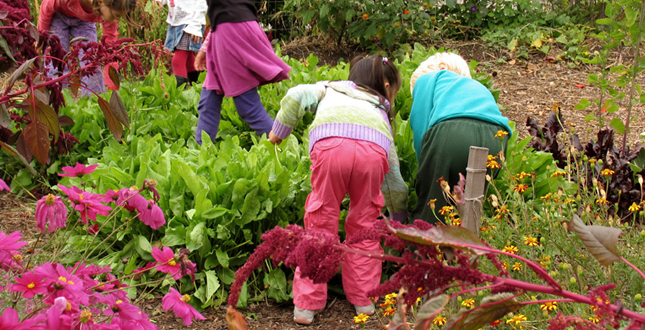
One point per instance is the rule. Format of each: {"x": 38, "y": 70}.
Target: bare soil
{"x": 529, "y": 88}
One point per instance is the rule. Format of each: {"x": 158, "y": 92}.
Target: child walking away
{"x": 186, "y": 20}
{"x": 450, "y": 113}
{"x": 69, "y": 19}
{"x": 239, "y": 58}
{"x": 352, "y": 151}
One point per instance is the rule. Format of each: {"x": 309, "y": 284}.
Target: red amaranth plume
{"x": 318, "y": 254}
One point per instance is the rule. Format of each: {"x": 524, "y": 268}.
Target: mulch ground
{"x": 528, "y": 88}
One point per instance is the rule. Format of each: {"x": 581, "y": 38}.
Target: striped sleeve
{"x": 293, "y": 106}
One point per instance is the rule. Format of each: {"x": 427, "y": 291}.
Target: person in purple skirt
{"x": 238, "y": 58}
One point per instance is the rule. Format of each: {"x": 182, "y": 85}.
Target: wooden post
{"x": 475, "y": 183}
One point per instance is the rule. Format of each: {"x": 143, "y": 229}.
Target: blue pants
{"x": 248, "y": 106}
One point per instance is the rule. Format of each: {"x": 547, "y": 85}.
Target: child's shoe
{"x": 304, "y": 316}
{"x": 367, "y": 310}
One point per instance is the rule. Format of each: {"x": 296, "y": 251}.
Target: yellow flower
{"x": 468, "y": 303}
{"x": 517, "y": 266}
{"x": 602, "y": 201}
{"x": 522, "y": 175}
{"x": 491, "y": 157}
{"x": 520, "y": 188}
{"x": 594, "y": 319}
{"x": 365, "y": 16}
{"x": 546, "y": 197}
{"x": 361, "y": 318}
{"x": 558, "y": 173}
{"x": 510, "y": 249}
{"x": 531, "y": 241}
{"x": 592, "y": 160}
{"x": 569, "y": 200}
{"x": 387, "y": 303}
{"x": 500, "y": 134}
{"x": 634, "y": 207}
{"x": 549, "y": 306}
{"x": 517, "y": 319}
{"x": 391, "y": 296}
{"x": 502, "y": 210}
{"x": 493, "y": 164}
{"x": 439, "y": 320}
{"x": 607, "y": 172}
{"x": 505, "y": 264}
{"x": 546, "y": 260}
{"x": 456, "y": 222}
{"x": 389, "y": 311}
{"x": 431, "y": 203}
{"x": 446, "y": 209}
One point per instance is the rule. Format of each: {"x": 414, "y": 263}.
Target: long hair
{"x": 371, "y": 73}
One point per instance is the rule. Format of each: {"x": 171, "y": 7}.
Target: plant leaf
{"x": 65, "y": 120}
{"x": 492, "y": 309}
{"x": 13, "y": 152}
{"x": 118, "y": 109}
{"x": 47, "y": 115}
{"x": 16, "y": 74}
{"x": 5, "y": 117}
{"x": 5, "y": 47}
{"x": 452, "y": 236}
{"x": 235, "y": 320}
{"x": 36, "y": 137}
{"x": 112, "y": 122}
{"x": 429, "y": 310}
{"x": 114, "y": 76}
{"x": 601, "y": 241}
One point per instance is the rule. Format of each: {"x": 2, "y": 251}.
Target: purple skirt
{"x": 239, "y": 57}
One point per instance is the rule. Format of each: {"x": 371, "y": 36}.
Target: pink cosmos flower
{"x": 11, "y": 321}
{"x": 55, "y": 318}
{"x": 4, "y": 186}
{"x": 131, "y": 200}
{"x": 88, "y": 204}
{"x": 64, "y": 282}
{"x": 152, "y": 216}
{"x": 125, "y": 310}
{"x": 51, "y": 208}
{"x": 110, "y": 196}
{"x": 79, "y": 170}
{"x": 180, "y": 306}
{"x": 93, "y": 229}
{"x": 167, "y": 262}
{"x": 141, "y": 324}
{"x": 31, "y": 284}
{"x": 8, "y": 246}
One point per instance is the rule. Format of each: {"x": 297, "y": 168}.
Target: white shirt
{"x": 191, "y": 13}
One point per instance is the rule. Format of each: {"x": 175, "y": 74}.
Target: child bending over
{"x": 352, "y": 150}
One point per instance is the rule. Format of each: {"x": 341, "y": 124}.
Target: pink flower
{"x": 123, "y": 309}
{"x": 88, "y": 204}
{"x": 55, "y": 318}
{"x": 8, "y": 246}
{"x": 65, "y": 284}
{"x": 10, "y": 321}
{"x": 93, "y": 229}
{"x": 131, "y": 200}
{"x": 79, "y": 170}
{"x": 31, "y": 284}
{"x": 51, "y": 208}
{"x": 152, "y": 216}
{"x": 4, "y": 186}
{"x": 110, "y": 196}
{"x": 180, "y": 306}
{"x": 167, "y": 262}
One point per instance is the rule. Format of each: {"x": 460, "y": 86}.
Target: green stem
{"x": 635, "y": 72}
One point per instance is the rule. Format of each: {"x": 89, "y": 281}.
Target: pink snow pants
{"x": 341, "y": 166}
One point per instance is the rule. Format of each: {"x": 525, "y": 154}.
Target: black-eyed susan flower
{"x": 522, "y": 175}
{"x": 607, "y": 172}
{"x": 602, "y": 201}
{"x": 558, "y": 173}
{"x": 520, "y": 188}
{"x": 549, "y": 306}
{"x": 516, "y": 319}
{"x": 634, "y": 207}
{"x": 446, "y": 209}
{"x": 439, "y": 320}
{"x": 361, "y": 318}
{"x": 500, "y": 134}
{"x": 389, "y": 311}
{"x": 470, "y": 303}
{"x": 517, "y": 266}
{"x": 531, "y": 241}
{"x": 510, "y": 249}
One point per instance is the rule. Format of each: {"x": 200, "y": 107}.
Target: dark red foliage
{"x": 21, "y": 37}
{"x": 561, "y": 322}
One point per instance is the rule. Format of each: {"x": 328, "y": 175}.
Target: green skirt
{"x": 444, "y": 153}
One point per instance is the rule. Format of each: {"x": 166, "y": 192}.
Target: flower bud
{"x": 638, "y": 297}
{"x": 573, "y": 280}
{"x": 580, "y": 270}
{"x": 643, "y": 233}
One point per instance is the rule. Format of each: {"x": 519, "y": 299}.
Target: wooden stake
{"x": 475, "y": 183}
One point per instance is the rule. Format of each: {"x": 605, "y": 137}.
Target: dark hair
{"x": 371, "y": 73}
{"x": 124, "y": 6}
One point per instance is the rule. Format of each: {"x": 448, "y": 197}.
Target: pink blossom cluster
{"x": 55, "y": 296}
{"x": 83, "y": 296}
{"x": 51, "y": 211}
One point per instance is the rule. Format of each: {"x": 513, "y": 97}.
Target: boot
{"x": 181, "y": 81}
{"x": 193, "y": 76}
